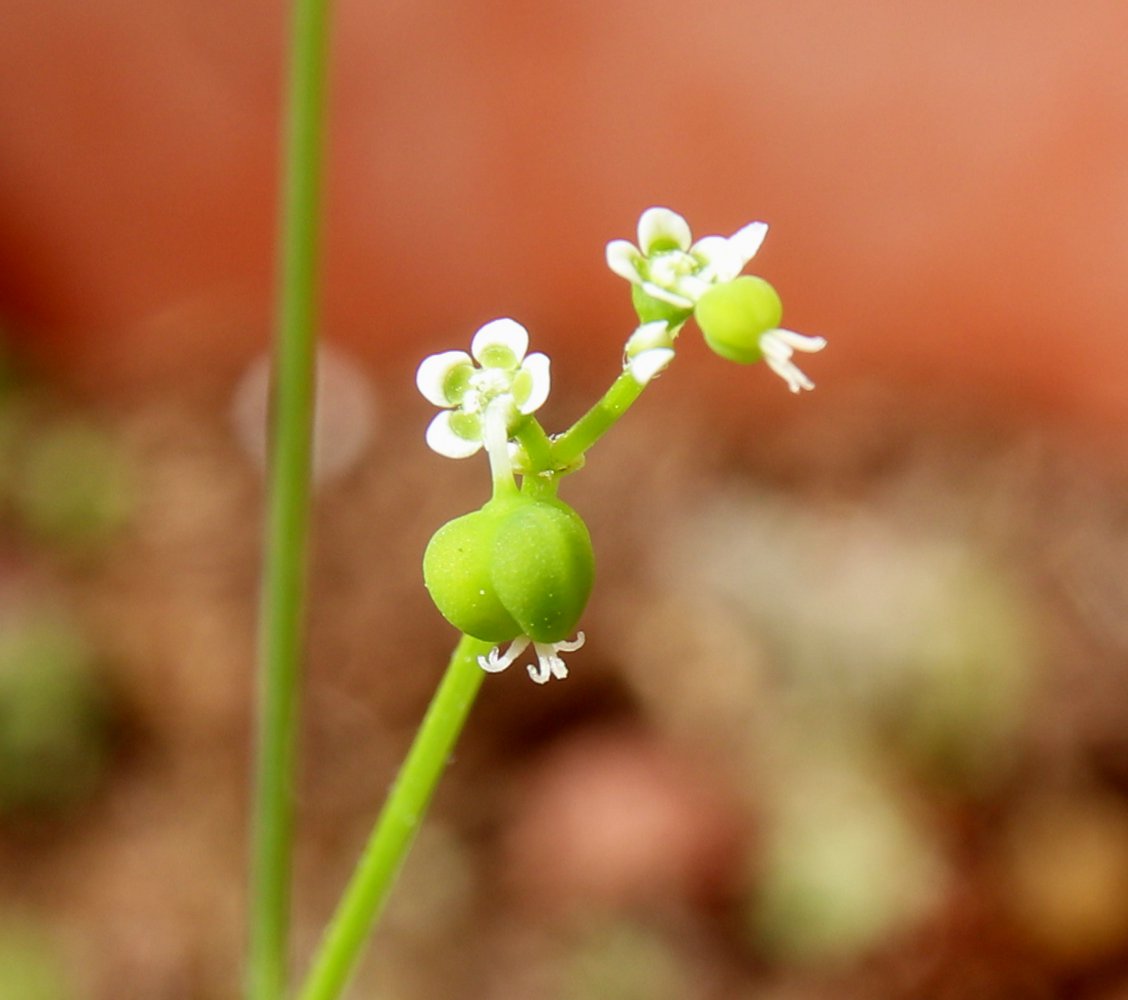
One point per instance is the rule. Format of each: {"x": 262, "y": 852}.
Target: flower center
{"x": 486, "y": 385}
{"x": 667, "y": 269}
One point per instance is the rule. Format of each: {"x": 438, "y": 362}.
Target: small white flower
{"x": 549, "y": 661}
{"x": 669, "y": 267}
{"x": 496, "y": 375}
{"x": 649, "y": 350}
{"x": 777, "y": 347}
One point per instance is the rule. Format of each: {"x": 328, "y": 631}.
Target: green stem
{"x": 531, "y": 436}
{"x": 572, "y": 444}
{"x": 398, "y": 823}
{"x": 283, "y": 588}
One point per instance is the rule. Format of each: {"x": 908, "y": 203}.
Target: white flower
{"x": 777, "y": 347}
{"x": 649, "y": 350}
{"x": 549, "y": 661}
{"x": 504, "y": 381}
{"x": 669, "y": 267}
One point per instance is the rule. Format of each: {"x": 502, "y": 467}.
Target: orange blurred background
{"x": 947, "y": 182}
{"x": 851, "y": 720}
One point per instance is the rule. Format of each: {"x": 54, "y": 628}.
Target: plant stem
{"x": 283, "y": 589}
{"x": 531, "y": 436}
{"x": 397, "y": 825}
{"x": 567, "y": 448}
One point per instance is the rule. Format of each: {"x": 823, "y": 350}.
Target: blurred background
{"x": 852, "y": 720}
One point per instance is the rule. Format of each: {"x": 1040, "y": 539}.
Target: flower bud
{"x": 733, "y": 316}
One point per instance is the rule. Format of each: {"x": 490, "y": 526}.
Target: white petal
{"x": 693, "y": 286}
{"x": 656, "y": 333}
{"x": 649, "y": 363}
{"x": 722, "y": 261}
{"x": 747, "y": 241}
{"x": 500, "y": 333}
{"x": 441, "y": 438}
{"x": 662, "y": 224}
{"x": 537, "y": 366}
{"x": 624, "y": 259}
{"x": 665, "y": 295}
{"x": 432, "y": 375}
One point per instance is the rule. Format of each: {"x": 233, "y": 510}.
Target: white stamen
{"x": 549, "y": 661}
{"x": 799, "y": 341}
{"x": 496, "y": 662}
{"x": 777, "y": 347}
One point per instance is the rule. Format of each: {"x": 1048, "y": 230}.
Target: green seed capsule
{"x": 519, "y": 566}
{"x": 543, "y": 568}
{"x": 456, "y": 571}
{"x": 733, "y": 316}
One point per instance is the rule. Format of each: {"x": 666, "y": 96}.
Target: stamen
{"x": 549, "y": 661}
{"x": 778, "y": 346}
{"x": 495, "y": 662}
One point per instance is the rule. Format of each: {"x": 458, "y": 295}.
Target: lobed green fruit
{"x": 518, "y": 566}
{"x": 733, "y": 316}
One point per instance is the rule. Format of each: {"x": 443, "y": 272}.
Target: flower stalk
{"x": 399, "y": 822}
{"x": 281, "y": 616}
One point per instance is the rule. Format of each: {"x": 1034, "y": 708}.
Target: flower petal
{"x": 434, "y": 377}
{"x": 747, "y": 241}
{"x": 442, "y": 438}
{"x": 720, "y": 259}
{"x": 501, "y": 343}
{"x": 662, "y": 229}
{"x": 656, "y": 333}
{"x": 665, "y": 295}
{"x": 531, "y": 385}
{"x": 649, "y": 363}
{"x": 623, "y": 259}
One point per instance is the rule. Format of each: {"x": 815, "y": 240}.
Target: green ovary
{"x": 734, "y": 316}
{"x": 519, "y": 566}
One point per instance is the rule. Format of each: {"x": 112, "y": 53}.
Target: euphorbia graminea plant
{"x": 517, "y": 572}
